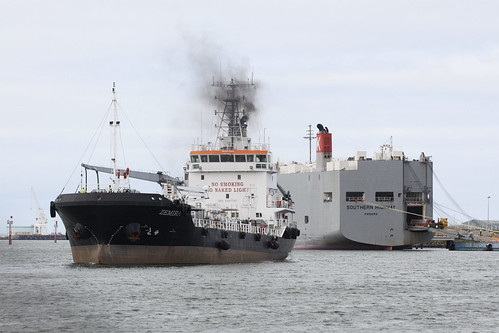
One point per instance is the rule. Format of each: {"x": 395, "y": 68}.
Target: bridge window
{"x": 384, "y": 196}
{"x": 204, "y": 158}
{"x": 195, "y": 158}
{"x": 261, "y": 158}
{"x": 214, "y": 158}
{"x": 355, "y": 196}
{"x": 240, "y": 158}
{"x": 250, "y": 158}
{"x": 227, "y": 158}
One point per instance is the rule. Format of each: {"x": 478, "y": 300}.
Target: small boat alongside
{"x": 462, "y": 245}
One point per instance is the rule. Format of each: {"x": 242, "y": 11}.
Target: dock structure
{"x": 465, "y": 239}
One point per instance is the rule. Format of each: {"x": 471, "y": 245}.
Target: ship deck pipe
{"x": 86, "y": 179}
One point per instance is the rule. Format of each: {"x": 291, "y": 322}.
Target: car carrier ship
{"x": 228, "y": 208}
{"x": 379, "y": 202}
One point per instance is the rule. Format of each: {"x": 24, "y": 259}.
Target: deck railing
{"x": 241, "y": 227}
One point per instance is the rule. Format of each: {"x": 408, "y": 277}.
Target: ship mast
{"x": 233, "y": 120}
{"x": 114, "y": 123}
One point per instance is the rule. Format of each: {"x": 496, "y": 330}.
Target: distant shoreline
{"x": 34, "y": 237}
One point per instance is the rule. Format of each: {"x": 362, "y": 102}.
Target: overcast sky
{"x": 424, "y": 72}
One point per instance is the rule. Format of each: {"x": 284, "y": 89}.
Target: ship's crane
{"x": 40, "y": 227}
{"x": 170, "y": 185}
{"x": 158, "y": 177}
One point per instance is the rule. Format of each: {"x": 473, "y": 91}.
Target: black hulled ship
{"x": 228, "y": 208}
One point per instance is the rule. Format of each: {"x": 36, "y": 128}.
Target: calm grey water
{"x": 312, "y": 291}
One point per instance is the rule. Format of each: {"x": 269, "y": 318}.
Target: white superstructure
{"x": 238, "y": 178}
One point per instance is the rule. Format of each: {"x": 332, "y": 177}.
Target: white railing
{"x": 215, "y": 147}
{"x": 240, "y": 226}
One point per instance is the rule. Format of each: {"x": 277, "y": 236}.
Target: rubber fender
{"x": 223, "y": 245}
{"x": 273, "y": 244}
{"x": 242, "y": 235}
{"x": 225, "y": 233}
{"x": 204, "y": 231}
{"x": 258, "y": 237}
{"x": 52, "y": 209}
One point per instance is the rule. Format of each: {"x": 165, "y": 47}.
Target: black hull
{"x": 136, "y": 228}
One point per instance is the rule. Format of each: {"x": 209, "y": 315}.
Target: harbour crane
{"x": 40, "y": 227}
